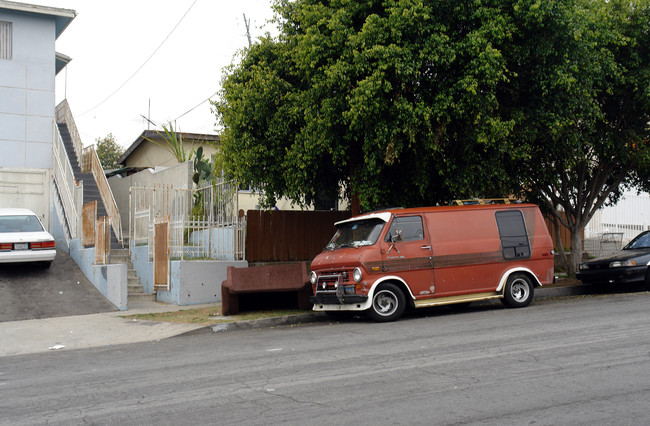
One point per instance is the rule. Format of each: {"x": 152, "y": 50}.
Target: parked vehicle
{"x": 630, "y": 265}
{"x": 385, "y": 262}
{"x": 24, "y": 239}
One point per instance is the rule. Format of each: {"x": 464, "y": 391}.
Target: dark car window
{"x": 409, "y": 228}
{"x": 512, "y": 230}
{"x": 20, "y": 224}
{"x": 640, "y": 241}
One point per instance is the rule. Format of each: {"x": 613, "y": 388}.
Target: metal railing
{"x": 64, "y": 115}
{"x": 90, "y": 162}
{"x": 203, "y": 222}
{"x": 70, "y": 191}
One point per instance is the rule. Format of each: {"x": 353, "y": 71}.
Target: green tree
{"x": 108, "y": 151}
{"x": 407, "y": 102}
{"x": 173, "y": 142}
{"x": 395, "y": 101}
{"x": 579, "y": 93}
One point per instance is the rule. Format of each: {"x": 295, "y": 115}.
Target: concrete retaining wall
{"x": 110, "y": 280}
{"x": 191, "y": 281}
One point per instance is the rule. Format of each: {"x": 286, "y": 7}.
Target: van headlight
{"x": 356, "y": 275}
{"x": 312, "y": 277}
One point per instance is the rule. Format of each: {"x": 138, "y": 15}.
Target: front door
{"x": 406, "y": 252}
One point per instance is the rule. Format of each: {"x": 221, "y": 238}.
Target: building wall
{"x": 27, "y": 93}
{"x": 151, "y": 155}
{"x": 180, "y": 175}
{"x": 26, "y": 188}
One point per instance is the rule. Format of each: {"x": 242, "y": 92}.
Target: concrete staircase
{"x": 91, "y": 193}
{"x": 136, "y": 291}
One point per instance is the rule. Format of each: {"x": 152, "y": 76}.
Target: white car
{"x": 23, "y": 238}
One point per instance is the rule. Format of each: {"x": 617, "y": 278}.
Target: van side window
{"x": 512, "y": 230}
{"x": 408, "y": 228}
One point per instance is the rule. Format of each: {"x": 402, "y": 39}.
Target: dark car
{"x": 629, "y": 265}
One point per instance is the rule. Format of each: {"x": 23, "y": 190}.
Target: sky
{"x": 140, "y": 59}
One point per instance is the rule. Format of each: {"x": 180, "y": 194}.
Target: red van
{"x": 384, "y": 262}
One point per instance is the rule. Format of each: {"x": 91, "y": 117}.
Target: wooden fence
{"x": 565, "y": 235}
{"x": 287, "y": 236}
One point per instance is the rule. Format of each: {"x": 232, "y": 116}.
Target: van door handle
{"x": 426, "y": 247}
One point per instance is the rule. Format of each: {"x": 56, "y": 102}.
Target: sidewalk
{"x": 109, "y": 328}
{"x": 87, "y": 331}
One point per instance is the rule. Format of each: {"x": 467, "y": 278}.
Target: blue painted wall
{"x": 191, "y": 281}
{"x": 27, "y": 101}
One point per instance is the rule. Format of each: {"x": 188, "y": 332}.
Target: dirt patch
{"x": 563, "y": 282}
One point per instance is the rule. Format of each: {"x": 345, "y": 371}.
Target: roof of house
{"x": 156, "y": 135}
{"x": 62, "y": 17}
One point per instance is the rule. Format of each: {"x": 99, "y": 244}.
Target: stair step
{"x": 142, "y": 297}
{"x": 134, "y": 289}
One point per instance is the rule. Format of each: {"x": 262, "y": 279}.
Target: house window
{"x": 514, "y": 238}
{"x": 5, "y": 40}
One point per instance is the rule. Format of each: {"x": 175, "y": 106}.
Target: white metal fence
{"x": 614, "y": 226}
{"x": 204, "y": 222}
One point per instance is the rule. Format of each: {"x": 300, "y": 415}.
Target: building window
{"x": 5, "y": 40}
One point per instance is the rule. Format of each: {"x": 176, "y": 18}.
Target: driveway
{"x": 28, "y": 291}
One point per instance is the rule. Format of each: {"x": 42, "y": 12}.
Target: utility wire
{"x": 250, "y": 44}
{"x": 144, "y": 63}
{"x": 195, "y": 107}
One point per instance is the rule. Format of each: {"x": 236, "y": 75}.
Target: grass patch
{"x": 210, "y": 315}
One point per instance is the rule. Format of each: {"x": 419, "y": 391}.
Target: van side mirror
{"x": 397, "y": 237}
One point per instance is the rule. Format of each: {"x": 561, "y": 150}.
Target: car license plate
{"x": 21, "y": 246}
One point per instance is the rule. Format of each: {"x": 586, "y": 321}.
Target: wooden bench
{"x": 292, "y": 277}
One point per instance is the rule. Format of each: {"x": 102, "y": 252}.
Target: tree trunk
{"x": 558, "y": 240}
{"x": 355, "y": 204}
{"x": 576, "y": 251}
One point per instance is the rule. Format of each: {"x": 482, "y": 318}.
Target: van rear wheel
{"x": 388, "y": 303}
{"x": 519, "y": 291}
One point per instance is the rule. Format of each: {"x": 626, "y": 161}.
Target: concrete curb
{"x": 312, "y": 317}
{"x": 269, "y": 322}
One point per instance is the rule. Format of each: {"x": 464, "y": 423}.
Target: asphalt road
{"x": 578, "y": 360}
{"x": 29, "y": 291}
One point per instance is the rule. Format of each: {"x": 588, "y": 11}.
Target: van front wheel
{"x": 388, "y": 303}
{"x": 519, "y": 291}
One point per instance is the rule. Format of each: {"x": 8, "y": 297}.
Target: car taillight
{"x": 43, "y": 245}
{"x": 6, "y": 246}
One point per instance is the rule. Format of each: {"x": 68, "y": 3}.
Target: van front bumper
{"x": 337, "y": 299}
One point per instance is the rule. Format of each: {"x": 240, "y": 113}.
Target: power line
{"x": 195, "y": 107}
{"x": 250, "y": 44}
{"x": 144, "y": 63}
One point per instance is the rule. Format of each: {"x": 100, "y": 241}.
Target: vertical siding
{"x": 286, "y": 236}
{"x": 6, "y": 40}
{"x": 565, "y": 234}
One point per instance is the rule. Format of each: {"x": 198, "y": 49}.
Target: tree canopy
{"x": 395, "y": 101}
{"x": 581, "y": 98}
{"x": 108, "y": 151}
{"x": 407, "y": 102}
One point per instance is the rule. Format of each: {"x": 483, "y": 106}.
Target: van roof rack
{"x": 485, "y": 201}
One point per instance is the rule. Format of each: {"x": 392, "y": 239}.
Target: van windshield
{"x": 356, "y": 234}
